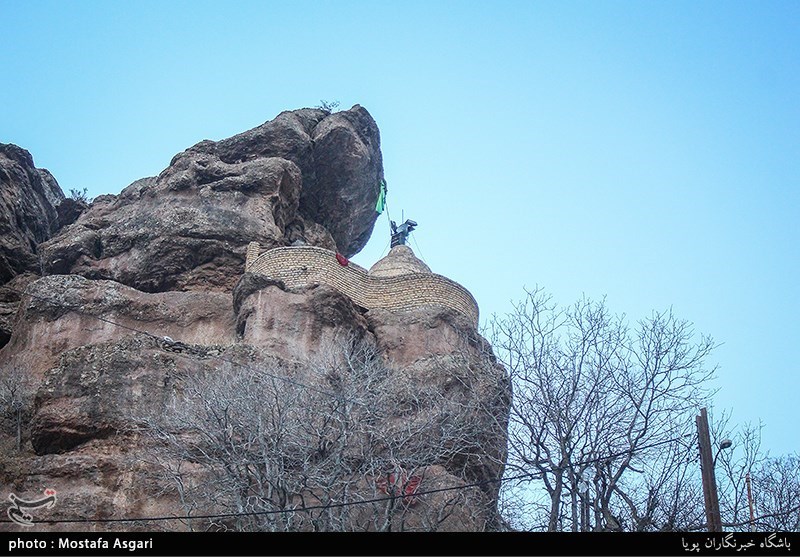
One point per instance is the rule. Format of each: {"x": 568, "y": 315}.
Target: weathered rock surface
{"x": 9, "y": 303}
{"x": 305, "y": 176}
{"x": 61, "y": 313}
{"x": 340, "y": 159}
{"x": 99, "y": 377}
{"x": 95, "y": 390}
{"x": 295, "y": 325}
{"x": 28, "y": 200}
{"x": 95, "y": 480}
{"x": 439, "y": 349}
{"x": 145, "y": 293}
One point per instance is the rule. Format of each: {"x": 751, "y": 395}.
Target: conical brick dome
{"x": 399, "y": 261}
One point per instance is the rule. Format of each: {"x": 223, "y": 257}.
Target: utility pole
{"x": 713, "y": 518}
{"x": 750, "y": 499}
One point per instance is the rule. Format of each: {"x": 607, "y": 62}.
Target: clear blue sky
{"x": 647, "y": 151}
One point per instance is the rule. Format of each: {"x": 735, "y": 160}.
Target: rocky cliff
{"x": 156, "y": 378}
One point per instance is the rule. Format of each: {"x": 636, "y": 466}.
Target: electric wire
{"x": 528, "y": 475}
{"x": 762, "y": 517}
{"x": 419, "y": 250}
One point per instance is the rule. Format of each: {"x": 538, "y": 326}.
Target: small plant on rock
{"x": 79, "y": 195}
{"x": 328, "y": 106}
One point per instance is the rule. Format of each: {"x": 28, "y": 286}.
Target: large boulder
{"x": 30, "y": 201}
{"x": 340, "y": 159}
{"x": 307, "y": 176}
{"x": 145, "y": 301}
{"x": 294, "y": 325}
{"x": 60, "y": 313}
{"x": 105, "y": 356}
{"x": 29, "y": 197}
{"x": 441, "y": 368}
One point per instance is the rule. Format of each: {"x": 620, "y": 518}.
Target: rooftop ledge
{"x": 398, "y": 282}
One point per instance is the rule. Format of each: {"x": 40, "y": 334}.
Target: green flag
{"x": 381, "y": 197}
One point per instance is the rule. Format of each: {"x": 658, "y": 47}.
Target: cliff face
{"x": 304, "y": 176}
{"x": 29, "y": 201}
{"x": 28, "y": 216}
{"x": 145, "y": 301}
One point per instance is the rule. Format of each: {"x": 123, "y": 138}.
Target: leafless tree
{"x": 16, "y": 399}
{"x": 337, "y": 435}
{"x": 732, "y": 465}
{"x": 775, "y": 485}
{"x": 776, "y": 488}
{"x": 602, "y": 413}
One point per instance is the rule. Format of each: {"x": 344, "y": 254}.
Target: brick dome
{"x": 399, "y": 261}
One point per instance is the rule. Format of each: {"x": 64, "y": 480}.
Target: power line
{"x": 762, "y": 517}
{"x": 528, "y": 475}
{"x": 419, "y": 250}
{"x": 386, "y": 247}
{"x": 748, "y": 521}
{"x": 279, "y": 511}
{"x": 525, "y": 476}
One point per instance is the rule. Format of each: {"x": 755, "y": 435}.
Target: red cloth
{"x": 343, "y": 261}
{"x": 394, "y": 484}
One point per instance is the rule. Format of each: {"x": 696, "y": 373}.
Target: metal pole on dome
{"x": 400, "y": 233}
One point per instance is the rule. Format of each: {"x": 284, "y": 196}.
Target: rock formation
{"x": 146, "y": 292}
{"x": 29, "y": 201}
{"x": 305, "y": 176}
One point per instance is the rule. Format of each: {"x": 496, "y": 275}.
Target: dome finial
{"x": 400, "y": 233}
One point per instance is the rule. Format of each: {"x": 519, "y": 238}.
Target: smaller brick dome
{"x": 399, "y": 261}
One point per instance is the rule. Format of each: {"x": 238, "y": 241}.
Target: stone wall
{"x": 300, "y": 266}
